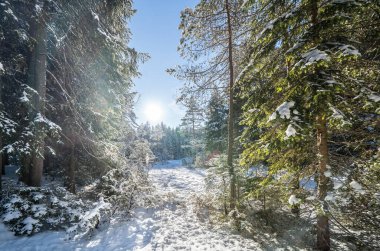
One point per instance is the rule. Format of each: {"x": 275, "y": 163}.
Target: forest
{"x": 278, "y": 147}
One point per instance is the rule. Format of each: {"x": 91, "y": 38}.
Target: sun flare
{"x": 153, "y": 112}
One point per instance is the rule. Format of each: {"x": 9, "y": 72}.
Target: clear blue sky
{"x": 155, "y": 31}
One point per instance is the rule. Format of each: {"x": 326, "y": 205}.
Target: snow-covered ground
{"x": 171, "y": 225}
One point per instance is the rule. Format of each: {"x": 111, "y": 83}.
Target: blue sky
{"x": 155, "y": 31}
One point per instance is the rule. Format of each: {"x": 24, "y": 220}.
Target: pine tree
{"x": 192, "y": 123}
{"x": 216, "y": 124}
{"x": 305, "y": 60}
{"x": 72, "y": 63}
{"x": 214, "y": 40}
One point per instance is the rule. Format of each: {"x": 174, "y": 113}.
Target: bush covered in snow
{"x": 29, "y": 210}
{"x": 90, "y": 220}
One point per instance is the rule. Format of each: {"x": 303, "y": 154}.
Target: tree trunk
{"x": 323, "y": 231}
{"x": 1, "y": 141}
{"x": 295, "y": 209}
{"x": 3, "y": 160}
{"x": 1, "y": 173}
{"x": 224, "y": 196}
{"x": 33, "y": 165}
{"x": 70, "y": 172}
{"x": 230, "y": 148}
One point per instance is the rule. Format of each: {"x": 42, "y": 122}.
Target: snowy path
{"x": 173, "y": 225}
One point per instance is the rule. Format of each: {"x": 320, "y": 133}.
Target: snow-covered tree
{"x": 306, "y": 79}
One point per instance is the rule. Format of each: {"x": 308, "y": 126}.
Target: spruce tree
{"x": 305, "y": 77}
{"x": 216, "y": 124}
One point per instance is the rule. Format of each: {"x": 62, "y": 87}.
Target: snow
{"x": 374, "y": 97}
{"x": 313, "y": 56}
{"x": 328, "y": 173}
{"x": 30, "y": 224}
{"x": 296, "y": 46}
{"x": 41, "y": 119}
{"x": 172, "y": 223}
{"x": 331, "y": 82}
{"x": 24, "y": 98}
{"x": 16, "y": 199}
{"x": 88, "y": 221}
{"x": 290, "y": 131}
{"x": 12, "y": 215}
{"x": 337, "y": 114}
{"x": 337, "y": 184}
{"x": 293, "y": 200}
{"x": 329, "y": 197}
{"x": 268, "y": 26}
{"x": 311, "y": 198}
{"x": 37, "y": 196}
{"x": 283, "y": 110}
{"x": 349, "y": 50}
{"x": 10, "y": 12}
{"x": 253, "y": 110}
{"x": 273, "y": 116}
{"x": 39, "y": 210}
{"x": 95, "y": 16}
{"x": 357, "y": 187}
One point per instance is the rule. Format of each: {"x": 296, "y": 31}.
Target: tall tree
{"x": 231, "y": 108}
{"x": 305, "y": 59}
{"x": 60, "y": 56}
{"x": 213, "y": 40}
{"x": 32, "y": 164}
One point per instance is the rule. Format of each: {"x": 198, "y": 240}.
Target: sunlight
{"x": 153, "y": 112}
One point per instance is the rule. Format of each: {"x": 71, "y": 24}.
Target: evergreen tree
{"x": 56, "y": 74}
{"x": 305, "y": 59}
{"x": 192, "y": 124}
{"x": 216, "y": 124}
{"x": 214, "y": 37}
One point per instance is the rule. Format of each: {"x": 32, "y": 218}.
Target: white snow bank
{"x": 171, "y": 224}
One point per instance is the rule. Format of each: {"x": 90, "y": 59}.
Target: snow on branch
{"x": 51, "y": 125}
{"x": 313, "y": 56}
{"x": 283, "y": 110}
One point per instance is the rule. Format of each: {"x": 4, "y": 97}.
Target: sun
{"x": 153, "y": 112}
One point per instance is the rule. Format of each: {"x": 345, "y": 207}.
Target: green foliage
{"x": 216, "y": 124}
{"x": 309, "y": 61}
{"x": 317, "y": 75}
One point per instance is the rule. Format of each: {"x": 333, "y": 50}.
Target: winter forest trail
{"x": 174, "y": 224}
